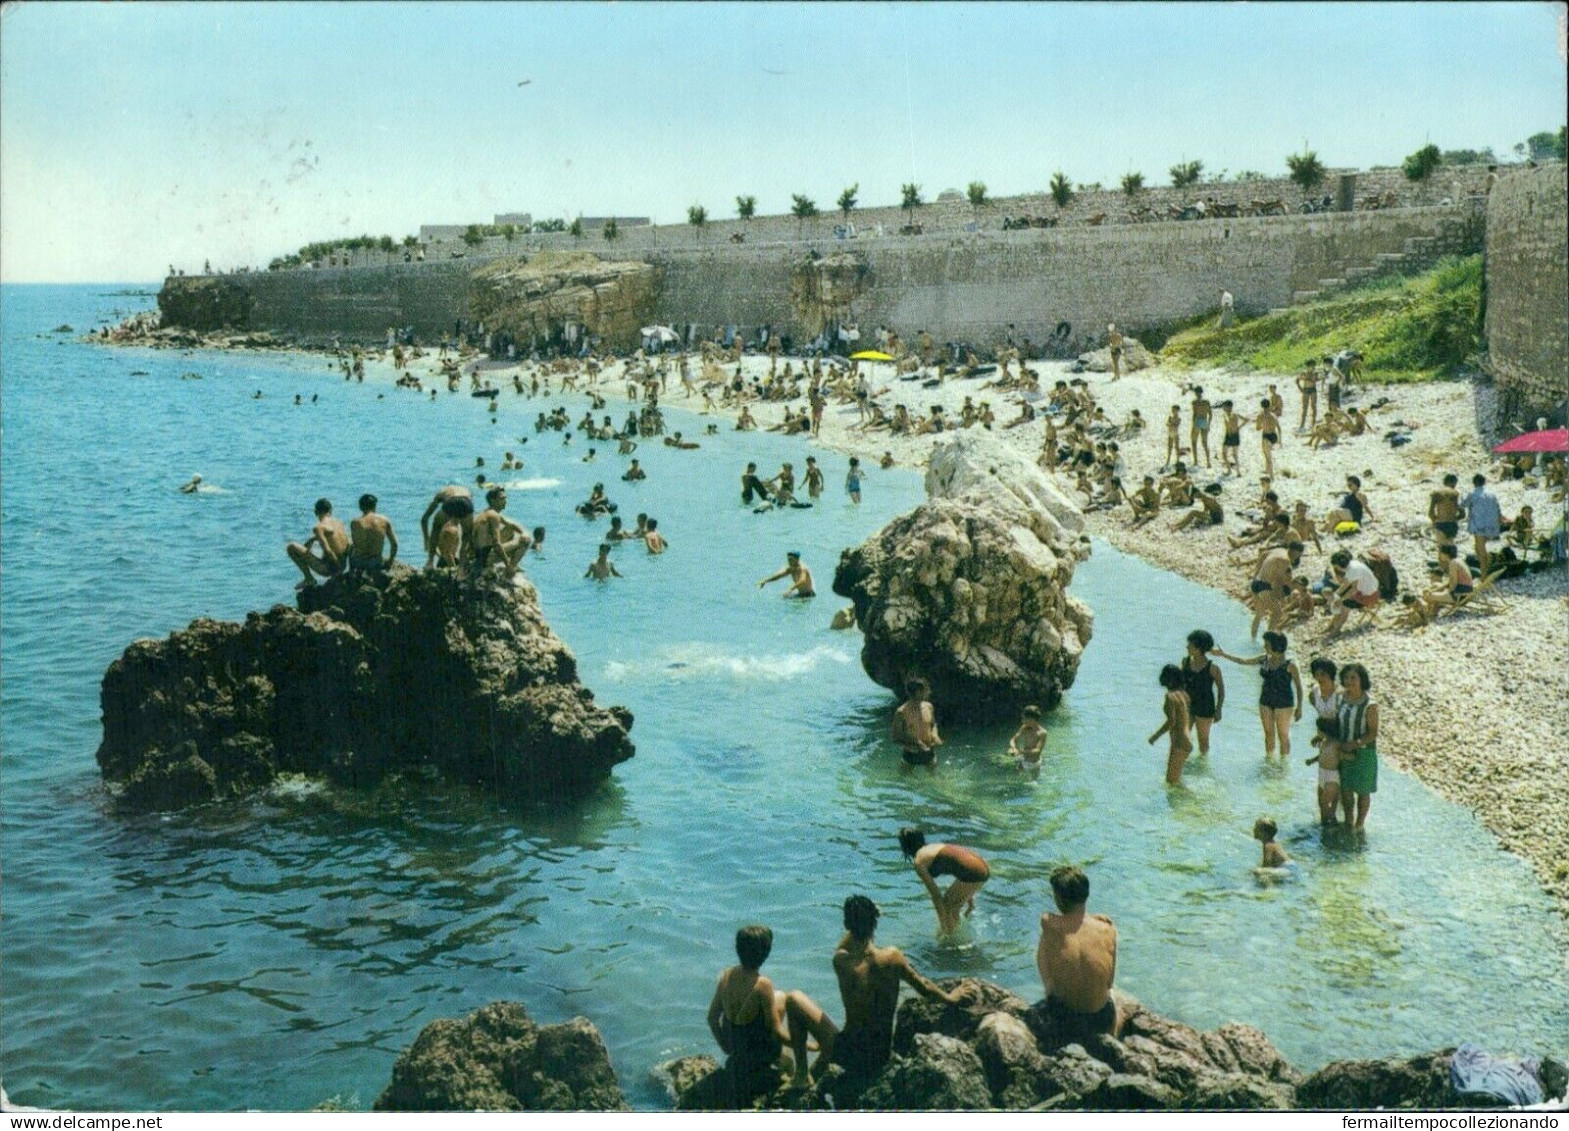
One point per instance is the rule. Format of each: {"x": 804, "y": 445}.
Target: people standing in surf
{"x": 931, "y": 861}
{"x": 1029, "y": 741}
{"x": 915, "y": 725}
{"x": 1325, "y": 700}
{"x": 800, "y": 577}
{"x": 1280, "y": 693}
{"x": 1175, "y": 708}
{"x": 1205, "y": 686}
{"x": 852, "y": 480}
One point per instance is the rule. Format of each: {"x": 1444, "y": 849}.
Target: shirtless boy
{"x": 800, "y": 577}
{"x": 1077, "y": 960}
{"x": 1029, "y": 741}
{"x": 429, "y": 529}
{"x": 915, "y": 725}
{"x": 1272, "y": 584}
{"x": 498, "y": 538}
{"x": 601, "y": 569}
{"x": 870, "y": 978}
{"x": 329, "y": 534}
{"x": 752, "y": 1022}
{"x": 654, "y": 540}
{"x": 367, "y": 535}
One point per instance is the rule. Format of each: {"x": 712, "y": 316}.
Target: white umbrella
{"x": 660, "y": 333}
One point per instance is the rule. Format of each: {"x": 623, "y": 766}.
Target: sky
{"x": 136, "y": 135}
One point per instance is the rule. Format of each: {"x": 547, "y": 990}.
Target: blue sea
{"x": 278, "y": 951}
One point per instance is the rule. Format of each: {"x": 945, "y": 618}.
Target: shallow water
{"x": 272, "y": 953}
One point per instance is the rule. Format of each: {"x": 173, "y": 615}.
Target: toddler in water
{"x": 1029, "y": 742}
{"x": 1264, "y": 831}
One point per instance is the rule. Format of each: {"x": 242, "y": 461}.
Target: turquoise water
{"x": 272, "y": 953}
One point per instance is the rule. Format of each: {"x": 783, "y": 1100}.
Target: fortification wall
{"x": 1527, "y": 273}
{"x": 959, "y": 287}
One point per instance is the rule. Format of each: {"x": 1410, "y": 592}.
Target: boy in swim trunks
{"x": 1029, "y": 741}
{"x": 915, "y": 725}
{"x": 329, "y": 534}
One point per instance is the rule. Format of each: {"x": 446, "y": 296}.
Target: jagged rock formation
{"x": 823, "y": 287}
{"x": 207, "y": 302}
{"x": 370, "y": 675}
{"x": 1134, "y": 357}
{"x": 497, "y": 1059}
{"x": 524, "y": 296}
{"x": 969, "y": 590}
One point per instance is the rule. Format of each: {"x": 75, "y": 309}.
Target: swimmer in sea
{"x": 601, "y": 569}
{"x": 967, "y": 867}
{"x": 654, "y": 540}
{"x": 1029, "y": 742}
{"x": 192, "y": 487}
{"x": 800, "y": 577}
{"x": 539, "y": 540}
{"x": 915, "y": 725}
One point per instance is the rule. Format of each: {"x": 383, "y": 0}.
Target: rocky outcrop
{"x": 969, "y": 590}
{"x": 985, "y": 1055}
{"x": 370, "y": 675}
{"x": 206, "y": 302}
{"x": 146, "y": 329}
{"x": 497, "y": 1059}
{"x": 1134, "y": 357}
{"x": 539, "y": 294}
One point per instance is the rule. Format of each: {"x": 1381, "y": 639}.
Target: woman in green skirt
{"x": 1359, "y": 740}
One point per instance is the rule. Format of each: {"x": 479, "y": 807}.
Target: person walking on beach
{"x": 1175, "y": 708}
{"x": 1268, "y": 425}
{"x": 915, "y": 725}
{"x": 800, "y": 577}
{"x": 1198, "y": 435}
{"x": 1173, "y": 437}
{"x": 1077, "y": 961}
{"x": 1114, "y": 342}
{"x": 1205, "y": 686}
{"x": 1443, "y": 511}
{"x": 870, "y": 977}
{"x": 329, "y": 534}
{"x": 1307, "y": 386}
{"x": 967, "y": 867}
{"x": 1271, "y": 584}
{"x": 367, "y": 535}
{"x": 1280, "y": 693}
{"x": 1484, "y": 519}
{"x": 1359, "y": 742}
{"x": 1231, "y": 442}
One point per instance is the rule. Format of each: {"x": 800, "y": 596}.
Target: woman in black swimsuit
{"x": 1206, "y": 689}
{"x": 967, "y": 867}
{"x": 1280, "y": 696}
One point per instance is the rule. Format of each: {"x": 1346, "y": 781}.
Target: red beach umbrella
{"x": 1551, "y": 440}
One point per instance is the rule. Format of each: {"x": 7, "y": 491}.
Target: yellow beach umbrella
{"x": 870, "y": 355}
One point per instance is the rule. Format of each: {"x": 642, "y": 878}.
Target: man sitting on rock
{"x": 497, "y": 538}
{"x": 369, "y": 534}
{"x": 869, "y": 981}
{"x": 1077, "y": 959}
{"x": 329, "y": 534}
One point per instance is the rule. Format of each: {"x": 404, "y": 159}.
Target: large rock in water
{"x": 371, "y": 674}
{"x": 969, "y": 590}
{"x": 497, "y": 1059}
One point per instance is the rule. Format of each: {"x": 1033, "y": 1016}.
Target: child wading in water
{"x": 1176, "y": 724}
{"x": 1264, "y": 830}
{"x": 1029, "y": 742}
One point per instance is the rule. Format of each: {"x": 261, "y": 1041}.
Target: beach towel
{"x": 1474, "y": 1071}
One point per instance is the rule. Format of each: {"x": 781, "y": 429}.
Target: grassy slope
{"x": 1408, "y": 329}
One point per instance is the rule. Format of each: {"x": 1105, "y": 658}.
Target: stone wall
{"x": 968, "y": 286}
{"x": 1527, "y": 320}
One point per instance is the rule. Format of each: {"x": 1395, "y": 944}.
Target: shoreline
{"x": 1475, "y": 707}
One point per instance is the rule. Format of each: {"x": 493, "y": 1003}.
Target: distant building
{"x": 521, "y": 219}
{"x": 429, "y": 232}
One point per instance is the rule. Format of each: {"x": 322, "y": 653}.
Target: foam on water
{"x": 699, "y": 661}
{"x": 543, "y": 483}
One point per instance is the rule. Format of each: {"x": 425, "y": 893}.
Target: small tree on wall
{"x": 1186, "y": 174}
{"x": 576, "y": 229}
{"x": 1132, "y": 184}
{"x": 746, "y": 207}
{"x": 910, "y": 200}
{"x": 612, "y": 230}
{"x": 803, "y": 208}
{"x": 1061, "y": 188}
{"x": 977, "y": 195}
{"x": 1306, "y": 170}
{"x": 697, "y": 216}
{"x": 847, "y": 200}
{"x": 1418, "y": 167}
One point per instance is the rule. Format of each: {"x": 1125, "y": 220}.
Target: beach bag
{"x": 1384, "y": 570}
{"x": 1344, "y": 529}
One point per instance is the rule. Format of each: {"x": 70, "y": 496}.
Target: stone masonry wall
{"x": 1527, "y": 320}
{"x": 966, "y": 286}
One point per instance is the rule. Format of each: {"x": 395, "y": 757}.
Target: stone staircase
{"x": 1420, "y": 252}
